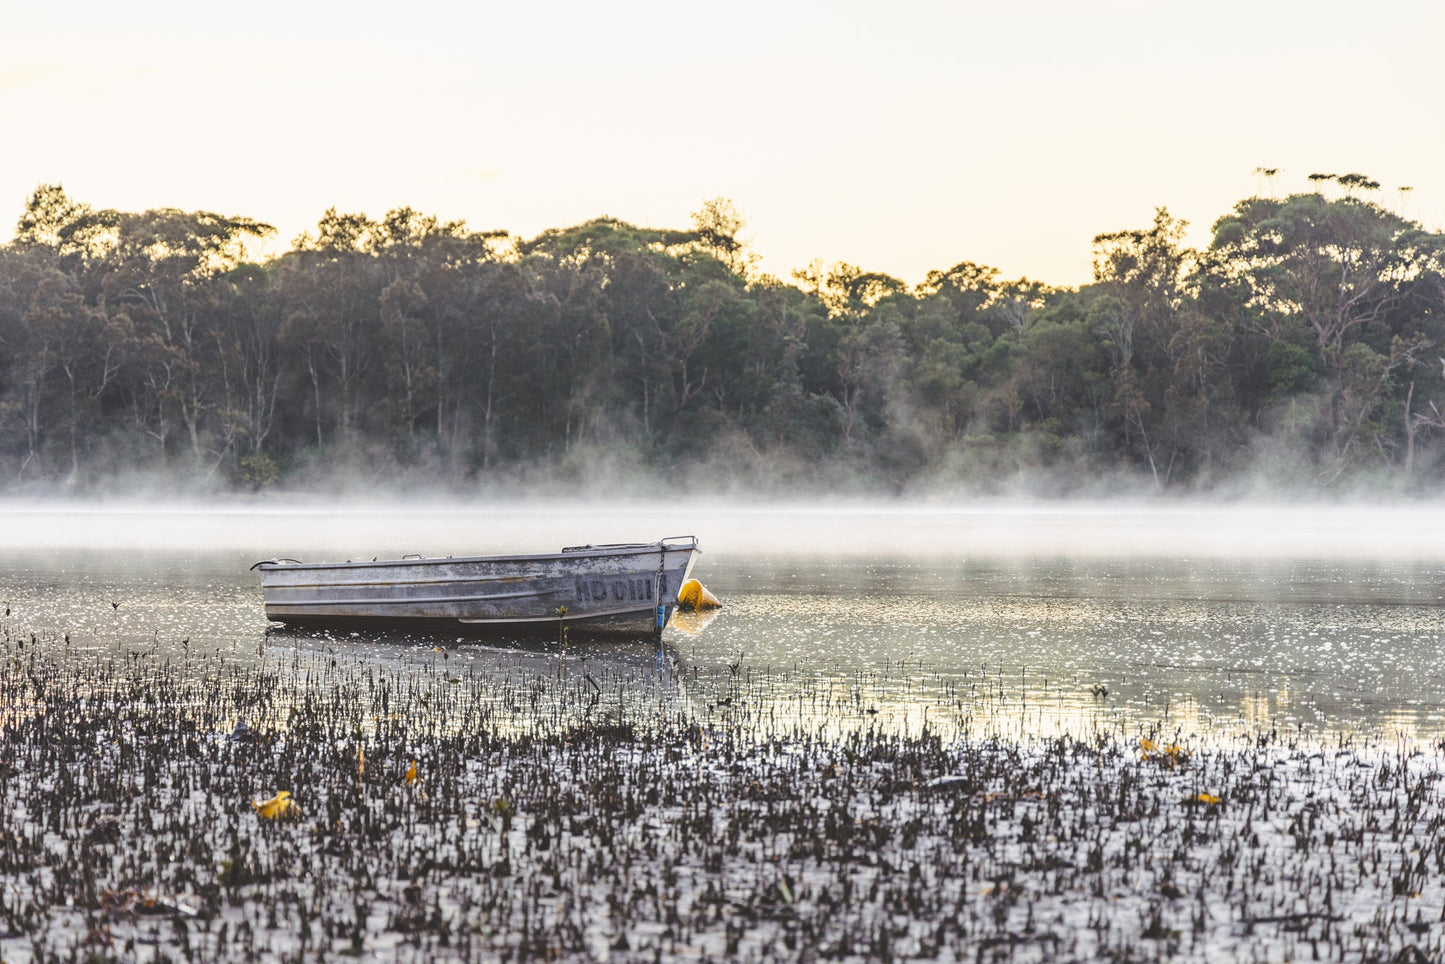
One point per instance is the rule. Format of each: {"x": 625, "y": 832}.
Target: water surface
{"x": 1010, "y": 619}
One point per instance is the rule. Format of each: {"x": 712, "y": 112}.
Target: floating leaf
{"x": 278, "y": 807}
{"x": 410, "y": 777}
{"x": 134, "y": 903}
{"x": 1206, "y": 799}
{"x": 1171, "y": 755}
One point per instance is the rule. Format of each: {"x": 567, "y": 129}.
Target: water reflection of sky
{"x": 1011, "y": 643}
{"x": 1315, "y": 644}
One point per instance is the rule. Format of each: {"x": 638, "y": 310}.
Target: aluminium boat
{"x": 625, "y": 590}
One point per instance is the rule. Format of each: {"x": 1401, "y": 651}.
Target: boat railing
{"x": 691, "y": 543}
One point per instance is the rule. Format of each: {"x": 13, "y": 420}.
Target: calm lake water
{"x": 1009, "y": 619}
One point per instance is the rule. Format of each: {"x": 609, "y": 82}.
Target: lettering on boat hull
{"x": 616, "y": 590}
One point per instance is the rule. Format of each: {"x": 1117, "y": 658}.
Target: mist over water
{"x": 1181, "y": 531}
{"x": 1012, "y": 618}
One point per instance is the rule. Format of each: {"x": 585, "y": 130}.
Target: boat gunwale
{"x": 572, "y": 552}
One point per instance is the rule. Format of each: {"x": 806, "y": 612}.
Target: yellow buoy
{"x": 692, "y": 597}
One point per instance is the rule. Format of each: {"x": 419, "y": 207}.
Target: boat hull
{"x": 597, "y": 590}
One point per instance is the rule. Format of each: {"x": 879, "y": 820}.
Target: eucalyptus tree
{"x": 1421, "y": 311}
{"x": 1139, "y": 283}
{"x": 40, "y": 305}
{"x": 255, "y": 325}
{"x": 1335, "y": 276}
{"x": 784, "y": 412}
{"x": 644, "y": 304}
{"x": 166, "y": 275}
{"x": 718, "y": 224}
{"x": 76, "y": 232}
{"x": 405, "y": 244}
{"x": 485, "y": 374}
{"x": 568, "y": 346}
{"x": 59, "y": 342}
{"x": 1329, "y": 266}
{"x": 668, "y": 324}
{"x": 330, "y": 284}
{"x": 946, "y": 337}
{"x": 707, "y": 346}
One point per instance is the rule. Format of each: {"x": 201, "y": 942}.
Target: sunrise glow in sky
{"x": 900, "y": 136}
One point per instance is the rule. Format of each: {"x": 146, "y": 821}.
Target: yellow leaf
{"x": 1171, "y": 755}
{"x": 279, "y": 806}
{"x": 410, "y": 777}
{"x": 1208, "y": 799}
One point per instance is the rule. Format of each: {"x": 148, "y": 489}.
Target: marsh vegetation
{"x": 591, "y": 816}
{"x": 874, "y": 753}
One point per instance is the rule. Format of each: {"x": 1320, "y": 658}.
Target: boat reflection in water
{"x": 519, "y": 685}
{"x": 692, "y": 623}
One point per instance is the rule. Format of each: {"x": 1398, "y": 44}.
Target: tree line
{"x": 1302, "y": 348}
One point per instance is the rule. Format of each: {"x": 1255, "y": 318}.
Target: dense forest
{"x": 1300, "y": 351}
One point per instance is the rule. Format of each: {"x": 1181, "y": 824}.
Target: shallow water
{"x": 724, "y": 783}
{"x": 1013, "y": 620}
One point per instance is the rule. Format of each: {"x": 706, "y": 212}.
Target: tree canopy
{"x": 1302, "y": 349}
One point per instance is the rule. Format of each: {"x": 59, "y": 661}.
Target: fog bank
{"x": 314, "y": 530}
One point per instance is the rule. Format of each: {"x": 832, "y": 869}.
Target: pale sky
{"x": 900, "y": 136}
